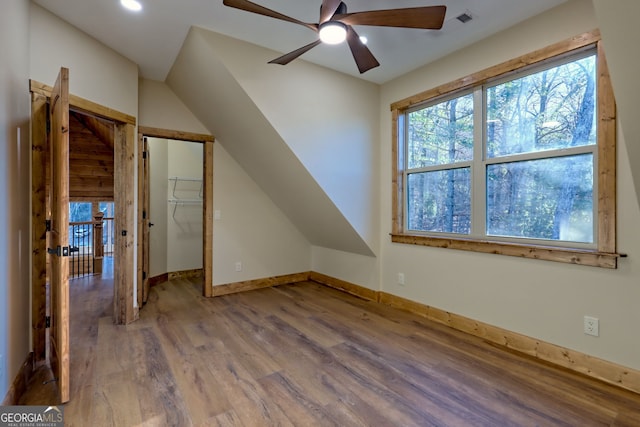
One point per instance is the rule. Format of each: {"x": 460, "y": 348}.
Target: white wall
{"x": 328, "y": 120}
{"x": 212, "y": 76}
{"x": 540, "y": 299}
{"x": 354, "y": 268}
{"x": 158, "y": 185}
{"x": 176, "y": 237}
{"x": 160, "y": 108}
{"x": 251, "y": 229}
{"x": 184, "y": 224}
{"x": 96, "y": 72}
{"x": 15, "y": 313}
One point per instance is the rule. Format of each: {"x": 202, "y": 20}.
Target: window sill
{"x": 548, "y": 253}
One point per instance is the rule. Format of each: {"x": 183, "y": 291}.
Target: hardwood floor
{"x": 305, "y": 355}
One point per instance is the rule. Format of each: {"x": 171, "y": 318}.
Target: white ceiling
{"x": 152, "y": 38}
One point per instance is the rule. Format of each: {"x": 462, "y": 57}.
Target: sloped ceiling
{"x": 152, "y": 37}
{"x": 202, "y": 79}
{"x": 90, "y": 159}
{"x": 620, "y": 35}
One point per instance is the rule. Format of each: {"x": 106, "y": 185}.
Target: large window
{"x": 518, "y": 159}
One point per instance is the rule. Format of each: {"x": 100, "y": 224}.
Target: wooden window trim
{"x": 605, "y": 255}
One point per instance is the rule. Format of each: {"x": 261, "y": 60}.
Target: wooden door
{"x": 146, "y": 223}
{"x": 59, "y": 235}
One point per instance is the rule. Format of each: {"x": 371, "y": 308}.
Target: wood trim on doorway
{"x": 125, "y": 144}
{"x": 84, "y": 105}
{"x": 207, "y": 214}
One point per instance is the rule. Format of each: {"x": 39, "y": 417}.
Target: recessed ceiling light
{"x": 133, "y": 5}
{"x": 363, "y": 40}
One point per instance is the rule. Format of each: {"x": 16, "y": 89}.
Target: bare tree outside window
{"x": 538, "y": 144}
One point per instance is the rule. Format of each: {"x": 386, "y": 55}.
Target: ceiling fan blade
{"x": 285, "y": 59}
{"x": 328, "y": 8}
{"x": 428, "y": 17}
{"x": 361, "y": 53}
{"x": 260, "y": 10}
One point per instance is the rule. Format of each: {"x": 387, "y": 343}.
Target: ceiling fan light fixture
{"x": 333, "y": 32}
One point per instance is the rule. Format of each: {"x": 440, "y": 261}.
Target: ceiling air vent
{"x": 464, "y": 17}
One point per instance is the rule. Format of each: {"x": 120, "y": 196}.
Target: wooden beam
{"x": 95, "y": 197}
{"x": 91, "y": 168}
{"x": 91, "y": 155}
{"x": 88, "y": 184}
{"x": 101, "y": 129}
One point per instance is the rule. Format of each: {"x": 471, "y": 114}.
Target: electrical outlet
{"x": 401, "y": 279}
{"x": 217, "y": 214}
{"x": 238, "y": 266}
{"x": 591, "y": 326}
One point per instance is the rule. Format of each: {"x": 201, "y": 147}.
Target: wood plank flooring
{"x": 305, "y": 355}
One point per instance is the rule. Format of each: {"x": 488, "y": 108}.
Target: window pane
{"x": 542, "y": 199}
{"x": 79, "y": 212}
{"x": 548, "y": 110}
{"x": 441, "y": 134}
{"x": 440, "y": 201}
{"x": 107, "y": 209}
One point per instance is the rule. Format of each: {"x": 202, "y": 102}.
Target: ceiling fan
{"x": 335, "y": 26}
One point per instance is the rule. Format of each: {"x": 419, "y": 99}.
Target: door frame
{"x": 207, "y": 211}
{"x": 124, "y": 163}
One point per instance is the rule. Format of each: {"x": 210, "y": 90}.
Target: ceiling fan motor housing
{"x": 342, "y": 8}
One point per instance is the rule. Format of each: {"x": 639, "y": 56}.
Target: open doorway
{"x": 184, "y": 191}
{"x": 120, "y": 184}
{"x": 175, "y": 209}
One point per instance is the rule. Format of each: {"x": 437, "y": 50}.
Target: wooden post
{"x": 98, "y": 244}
